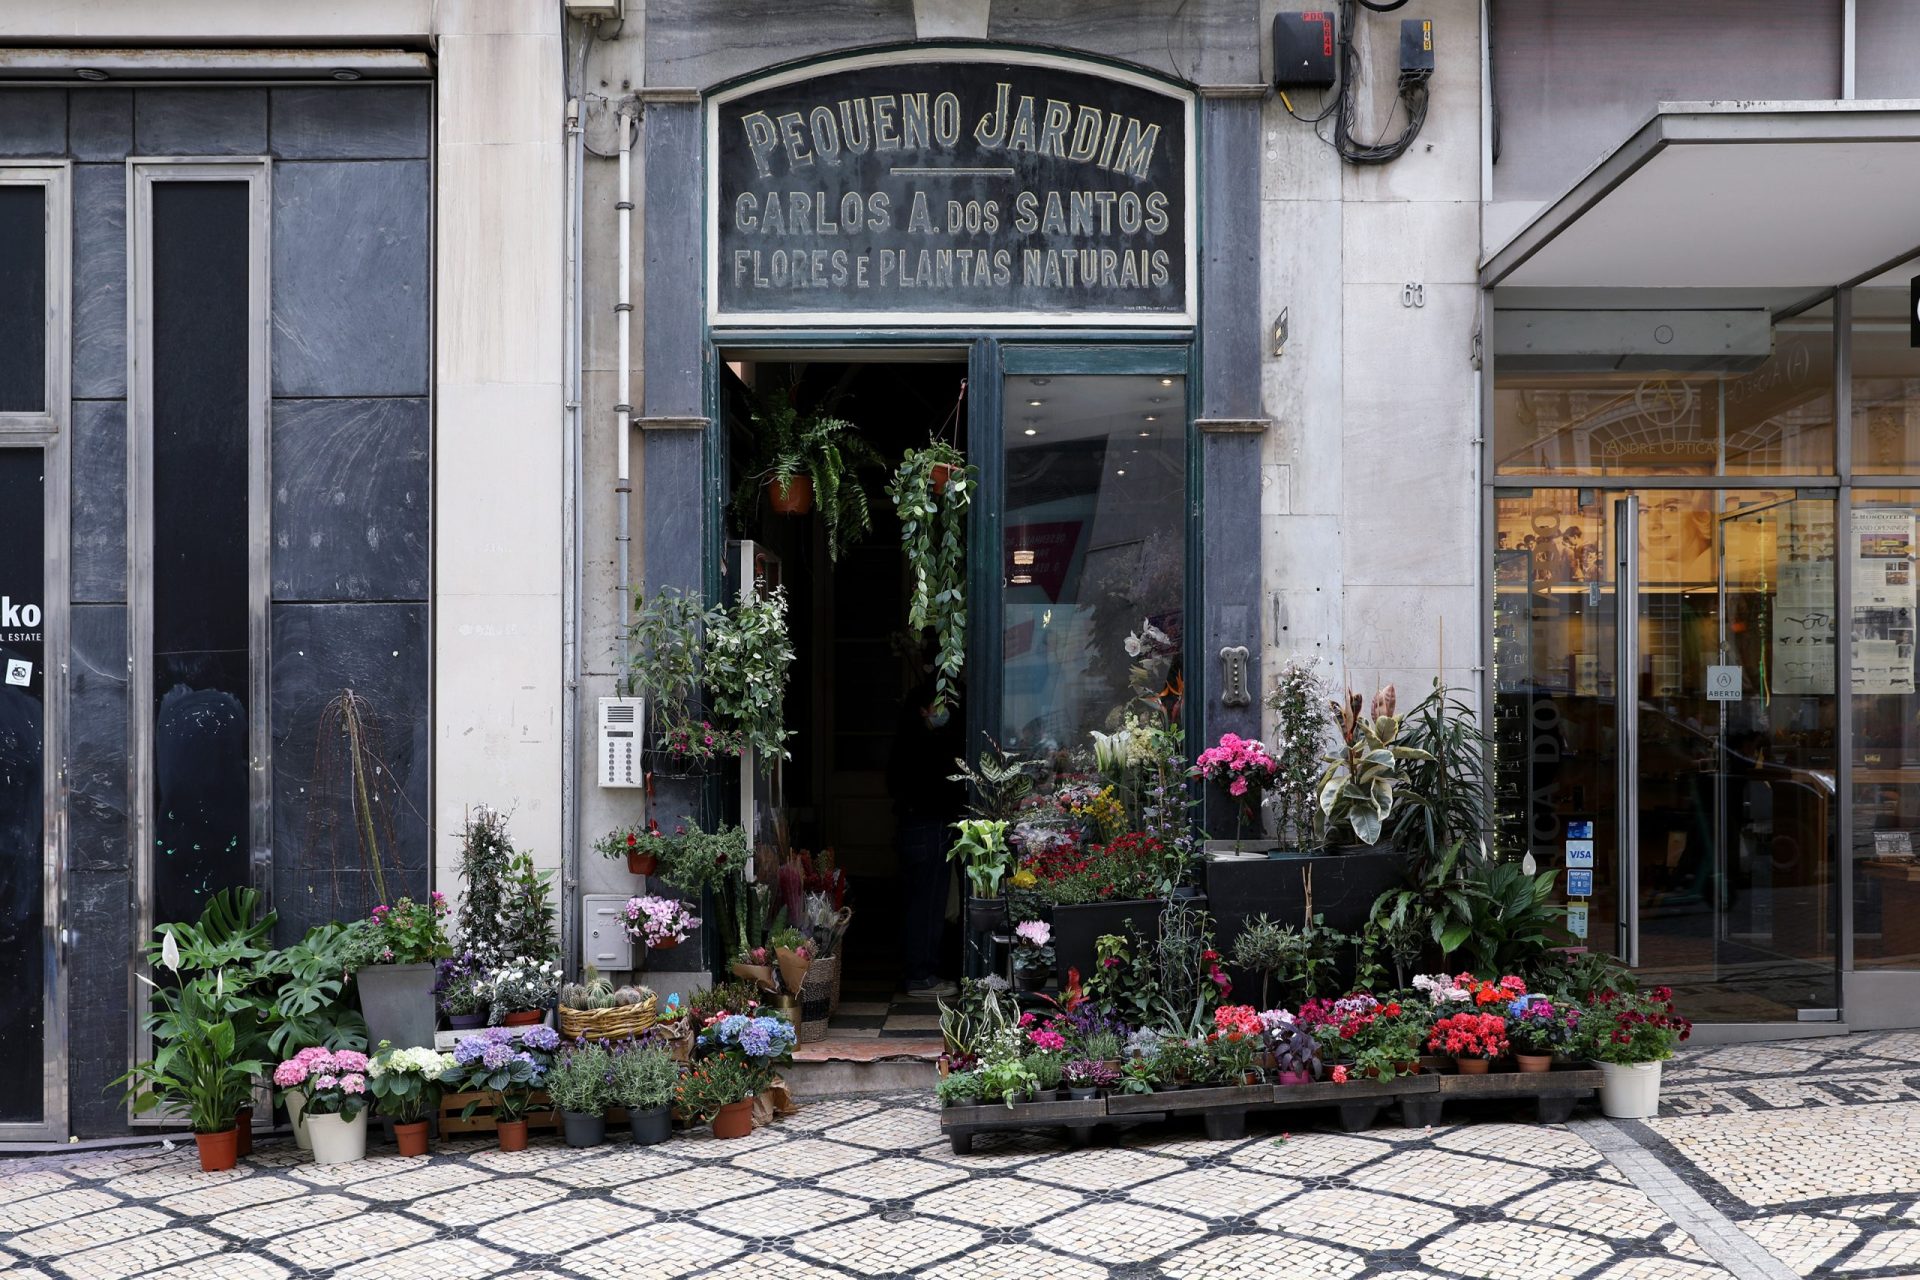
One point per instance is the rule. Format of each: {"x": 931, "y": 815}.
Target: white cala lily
{"x": 169, "y": 950}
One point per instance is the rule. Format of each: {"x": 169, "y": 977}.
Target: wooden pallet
{"x": 1224, "y": 1110}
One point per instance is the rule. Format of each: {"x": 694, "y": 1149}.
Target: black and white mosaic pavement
{"x": 1811, "y": 1149}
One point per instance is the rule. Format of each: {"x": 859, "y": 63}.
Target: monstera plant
{"x": 1364, "y": 777}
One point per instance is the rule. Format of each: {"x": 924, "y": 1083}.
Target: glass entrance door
{"x": 1665, "y": 727}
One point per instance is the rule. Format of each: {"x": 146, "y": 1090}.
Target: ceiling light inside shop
{"x": 90, "y": 73}
{"x": 1022, "y": 579}
{"x": 1166, "y": 382}
{"x": 1035, "y": 403}
{"x": 345, "y": 73}
{"x": 1122, "y": 471}
{"x": 1023, "y": 556}
{"x": 1153, "y": 417}
{"x": 1146, "y": 435}
{"x": 1031, "y": 431}
{"x": 1040, "y": 382}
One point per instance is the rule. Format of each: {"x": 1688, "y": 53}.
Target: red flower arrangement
{"x": 1505, "y": 991}
{"x": 1470, "y": 1035}
{"x": 1243, "y": 1018}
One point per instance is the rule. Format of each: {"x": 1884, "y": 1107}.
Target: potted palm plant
{"x": 806, "y": 460}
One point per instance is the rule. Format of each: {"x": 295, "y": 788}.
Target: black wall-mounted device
{"x": 1416, "y": 49}
{"x": 1303, "y": 49}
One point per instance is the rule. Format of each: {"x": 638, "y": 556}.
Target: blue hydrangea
{"x": 541, "y": 1037}
{"x": 469, "y": 1050}
{"x": 497, "y": 1056}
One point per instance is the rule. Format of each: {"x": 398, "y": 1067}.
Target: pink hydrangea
{"x": 326, "y": 1081}
{"x": 290, "y": 1073}
{"x": 349, "y": 1060}
{"x": 353, "y": 1082}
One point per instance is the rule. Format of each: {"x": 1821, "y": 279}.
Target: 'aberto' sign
{"x": 950, "y": 187}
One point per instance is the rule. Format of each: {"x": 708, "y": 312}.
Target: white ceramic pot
{"x": 337, "y": 1141}
{"x": 1630, "y": 1090}
{"x": 296, "y": 1103}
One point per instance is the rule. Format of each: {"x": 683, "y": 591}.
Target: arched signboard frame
{"x": 951, "y": 186}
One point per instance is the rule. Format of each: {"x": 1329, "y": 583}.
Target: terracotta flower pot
{"x": 642, "y": 864}
{"x": 735, "y": 1120}
{"x": 243, "y": 1132}
{"x": 938, "y": 474}
{"x": 1472, "y": 1066}
{"x": 217, "y": 1150}
{"x": 512, "y": 1134}
{"x": 411, "y": 1138}
{"x": 795, "y": 500}
{"x": 524, "y": 1017}
{"x": 1534, "y": 1063}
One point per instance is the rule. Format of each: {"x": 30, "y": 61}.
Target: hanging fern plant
{"x": 931, "y": 491}
{"x": 826, "y": 451}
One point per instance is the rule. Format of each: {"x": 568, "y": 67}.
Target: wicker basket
{"x": 608, "y": 1024}
{"x": 816, "y": 998}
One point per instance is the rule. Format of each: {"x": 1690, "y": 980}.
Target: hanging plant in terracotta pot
{"x": 931, "y": 491}
{"x": 804, "y": 460}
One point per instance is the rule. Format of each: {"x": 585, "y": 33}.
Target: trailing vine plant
{"x": 931, "y": 491}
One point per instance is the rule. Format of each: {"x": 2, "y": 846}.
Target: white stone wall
{"x": 498, "y": 474}
{"x": 1369, "y": 497}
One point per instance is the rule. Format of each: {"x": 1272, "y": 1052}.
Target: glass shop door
{"x": 1665, "y": 724}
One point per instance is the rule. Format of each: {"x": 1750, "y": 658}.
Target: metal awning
{"x": 1733, "y": 195}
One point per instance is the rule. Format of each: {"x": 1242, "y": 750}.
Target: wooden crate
{"x": 540, "y": 1115}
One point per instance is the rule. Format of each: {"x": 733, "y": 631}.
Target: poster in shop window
{"x": 1805, "y": 638}
{"x": 951, "y": 186}
{"x": 1883, "y": 600}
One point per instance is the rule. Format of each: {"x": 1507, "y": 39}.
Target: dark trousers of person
{"x": 923, "y": 891}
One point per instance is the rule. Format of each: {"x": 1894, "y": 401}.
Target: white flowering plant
{"x": 406, "y": 1082}
{"x": 520, "y": 985}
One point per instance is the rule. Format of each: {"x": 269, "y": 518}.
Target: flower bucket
{"x": 735, "y": 1120}
{"x": 795, "y": 500}
{"x": 338, "y": 1141}
{"x": 793, "y": 968}
{"x": 1630, "y": 1090}
{"x": 642, "y": 864}
{"x": 816, "y": 998}
{"x": 584, "y": 1130}
{"x": 397, "y": 1000}
{"x": 651, "y": 1126}
{"x": 243, "y": 1132}
{"x": 523, "y": 1017}
{"x": 512, "y": 1134}
{"x": 218, "y": 1151}
{"x": 1534, "y": 1063}
{"x": 984, "y": 915}
{"x": 296, "y": 1103}
{"x": 411, "y": 1138}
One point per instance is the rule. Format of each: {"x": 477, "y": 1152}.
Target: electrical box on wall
{"x": 604, "y": 943}
{"x": 609, "y": 9}
{"x": 1416, "y": 49}
{"x": 620, "y": 724}
{"x": 1303, "y": 50}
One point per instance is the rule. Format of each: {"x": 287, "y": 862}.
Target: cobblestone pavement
{"x": 1799, "y": 1158}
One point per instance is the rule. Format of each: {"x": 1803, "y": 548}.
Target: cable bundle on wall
{"x": 1344, "y": 106}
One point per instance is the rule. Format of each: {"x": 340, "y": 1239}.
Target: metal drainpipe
{"x": 571, "y": 556}
{"x": 623, "y": 411}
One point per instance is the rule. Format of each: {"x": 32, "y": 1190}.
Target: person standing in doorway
{"x": 926, "y": 802}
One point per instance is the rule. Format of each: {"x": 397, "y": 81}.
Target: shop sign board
{"x": 951, "y": 187}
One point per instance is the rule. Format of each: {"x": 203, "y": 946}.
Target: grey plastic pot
{"x": 653, "y": 1125}
{"x": 397, "y": 1000}
{"x": 584, "y": 1130}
